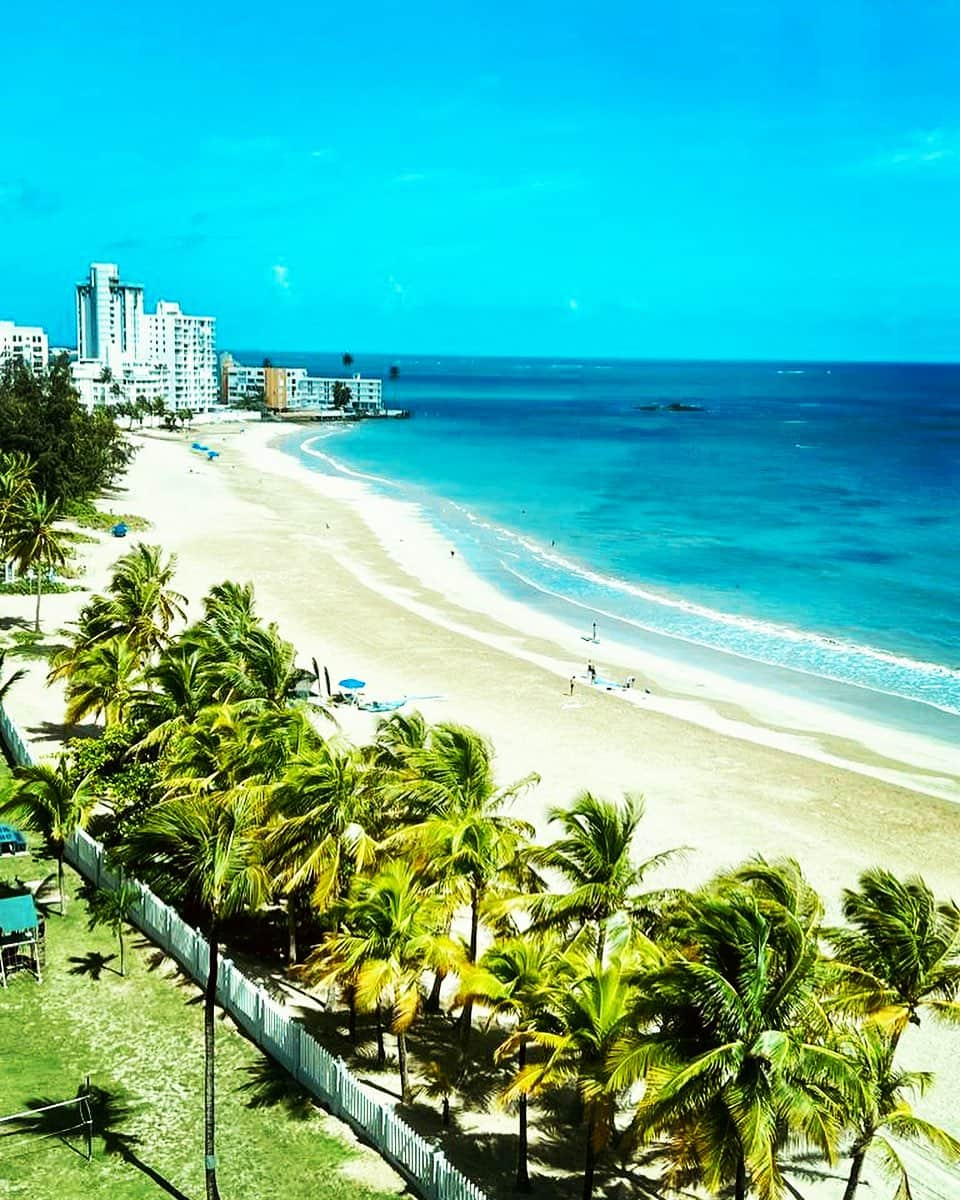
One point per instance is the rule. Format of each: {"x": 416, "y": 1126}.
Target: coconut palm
{"x": 143, "y": 604}
{"x": 392, "y": 930}
{"x": 15, "y": 485}
{"x": 204, "y": 852}
{"x": 595, "y": 858}
{"x": 589, "y": 1014}
{"x": 901, "y": 957}
{"x": 518, "y": 978}
{"x": 47, "y": 800}
{"x": 113, "y": 907}
{"x": 880, "y": 1113}
{"x": 464, "y": 837}
{"x": 103, "y": 681}
{"x": 730, "y": 1043}
{"x": 33, "y": 540}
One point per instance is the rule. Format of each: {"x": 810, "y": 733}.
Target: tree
{"x": 113, "y": 908}
{"x": 342, "y": 395}
{"x": 463, "y": 838}
{"x": 73, "y": 453}
{"x": 204, "y": 851}
{"x": 881, "y": 1111}
{"x": 595, "y": 857}
{"x": 392, "y": 930}
{"x": 902, "y": 956}
{"x": 34, "y": 542}
{"x": 589, "y": 1014}
{"x": 45, "y": 799}
{"x": 103, "y": 680}
{"x": 729, "y": 1037}
{"x": 519, "y": 978}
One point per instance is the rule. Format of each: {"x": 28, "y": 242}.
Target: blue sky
{"x": 767, "y": 179}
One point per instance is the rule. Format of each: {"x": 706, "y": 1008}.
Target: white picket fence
{"x": 271, "y": 1027}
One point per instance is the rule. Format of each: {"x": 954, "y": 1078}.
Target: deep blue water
{"x": 803, "y": 516}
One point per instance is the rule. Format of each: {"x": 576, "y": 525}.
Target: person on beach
{"x": 573, "y": 680}
{"x": 592, "y": 672}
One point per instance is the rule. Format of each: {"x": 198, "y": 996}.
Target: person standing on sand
{"x": 573, "y": 680}
{"x": 592, "y": 672}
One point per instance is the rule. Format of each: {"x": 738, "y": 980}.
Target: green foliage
{"x": 73, "y": 454}
{"x": 26, "y": 585}
{"x": 86, "y": 514}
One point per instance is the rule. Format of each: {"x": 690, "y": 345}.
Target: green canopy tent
{"x": 20, "y": 936}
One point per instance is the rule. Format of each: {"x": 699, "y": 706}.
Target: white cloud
{"x": 922, "y": 150}
{"x": 324, "y": 153}
{"x": 281, "y": 276}
{"x": 573, "y": 304}
{"x": 395, "y": 286}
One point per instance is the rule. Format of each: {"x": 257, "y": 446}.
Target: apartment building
{"x": 288, "y": 389}
{"x": 28, "y": 343}
{"x": 126, "y": 353}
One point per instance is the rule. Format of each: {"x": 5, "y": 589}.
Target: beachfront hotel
{"x": 126, "y": 353}
{"x": 28, "y": 343}
{"x": 291, "y": 389}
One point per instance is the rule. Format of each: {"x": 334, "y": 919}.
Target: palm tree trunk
{"x": 591, "y": 1162}
{"x": 291, "y": 932}
{"x": 209, "y": 1028}
{"x": 466, "y": 1017}
{"x": 352, "y": 1010}
{"x": 60, "y": 885}
{"x": 740, "y": 1186}
{"x": 856, "y": 1166}
{"x": 36, "y": 624}
{"x": 381, "y": 1049}
{"x": 402, "y": 1057}
{"x": 523, "y": 1173}
{"x": 120, "y": 940}
{"x": 433, "y": 1000}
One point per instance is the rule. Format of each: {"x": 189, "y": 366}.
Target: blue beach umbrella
{"x": 352, "y": 685}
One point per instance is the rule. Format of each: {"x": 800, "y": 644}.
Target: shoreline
{"x": 719, "y": 701}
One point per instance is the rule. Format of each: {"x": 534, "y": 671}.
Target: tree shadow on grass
{"x": 53, "y": 731}
{"x": 109, "y": 1113}
{"x": 93, "y": 963}
{"x": 270, "y": 1086}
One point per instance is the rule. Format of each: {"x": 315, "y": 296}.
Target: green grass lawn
{"x": 139, "y": 1039}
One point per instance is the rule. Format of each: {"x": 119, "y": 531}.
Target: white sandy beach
{"x": 365, "y": 586}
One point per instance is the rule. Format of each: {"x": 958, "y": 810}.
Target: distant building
{"x": 28, "y": 343}
{"x": 185, "y": 347}
{"x": 125, "y": 353}
{"x": 291, "y": 389}
{"x": 109, "y": 318}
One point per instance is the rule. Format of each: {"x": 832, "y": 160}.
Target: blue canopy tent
{"x": 20, "y": 932}
{"x": 12, "y": 840}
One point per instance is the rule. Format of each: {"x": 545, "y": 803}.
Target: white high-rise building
{"x": 109, "y": 318}
{"x": 28, "y": 343}
{"x": 185, "y": 345}
{"x": 126, "y": 353}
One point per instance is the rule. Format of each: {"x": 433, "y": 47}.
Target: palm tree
{"x": 103, "y": 681}
{"x": 518, "y": 977}
{"x": 902, "y": 956}
{"x": 204, "y": 852}
{"x": 729, "y": 1039}
{"x": 15, "y": 485}
{"x": 464, "y": 838}
{"x": 113, "y": 907}
{"x": 881, "y": 1110}
{"x": 47, "y": 800}
{"x": 595, "y": 858}
{"x": 34, "y": 542}
{"x": 347, "y": 361}
{"x": 393, "y": 929}
{"x": 589, "y": 1014}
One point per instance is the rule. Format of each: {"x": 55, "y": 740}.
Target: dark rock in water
{"x": 647, "y": 407}
{"x": 675, "y": 407}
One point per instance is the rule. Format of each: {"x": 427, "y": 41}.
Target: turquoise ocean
{"x": 790, "y": 524}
